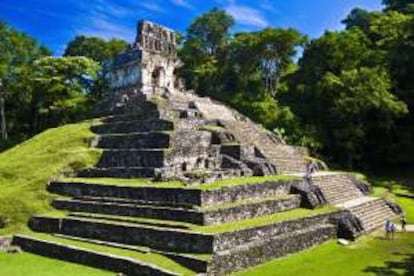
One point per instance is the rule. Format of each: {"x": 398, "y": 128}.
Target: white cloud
{"x": 268, "y": 6}
{"x": 247, "y": 16}
{"x": 151, "y": 6}
{"x": 106, "y": 29}
{"x": 182, "y": 3}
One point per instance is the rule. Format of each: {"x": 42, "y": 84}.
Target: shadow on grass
{"x": 404, "y": 267}
{"x": 404, "y": 195}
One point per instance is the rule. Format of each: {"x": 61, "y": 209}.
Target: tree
{"x": 269, "y": 52}
{"x": 359, "y": 18}
{"x": 210, "y": 31}
{"x": 399, "y": 5}
{"x": 95, "y": 48}
{"x": 17, "y": 49}
{"x": 60, "y": 88}
{"x": 360, "y": 103}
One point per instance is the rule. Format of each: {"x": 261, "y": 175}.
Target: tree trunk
{"x": 3, "y": 122}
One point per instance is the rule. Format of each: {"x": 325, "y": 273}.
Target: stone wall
{"x": 174, "y": 196}
{"x": 250, "y": 210}
{"x": 165, "y": 196}
{"x": 91, "y": 258}
{"x": 228, "y": 240}
{"x": 268, "y": 249}
{"x": 154, "y": 237}
{"x": 241, "y": 192}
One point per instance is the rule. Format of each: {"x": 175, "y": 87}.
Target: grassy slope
{"x": 369, "y": 256}
{"x": 26, "y": 168}
{"x": 33, "y": 265}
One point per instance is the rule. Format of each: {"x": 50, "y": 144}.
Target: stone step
{"x": 129, "y": 209}
{"x": 119, "y": 172}
{"x": 194, "y": 262}
{"x": 373, "y": 213}
{"x": 153, "y": 140}
{"x": 370, "y": 204}
{"x": 203, "y": 216}
{"x": 159, "y": 238}
{"x": 257, "y": 252}
{"x": 337, "y": 188}
{"x": 134, "y": 126}
{"x": 174, "y": 196}
{"x": 123, "y": 118}
{"x": 132, "y": 158}
{"x": 377, "y": 220}
{"x": 129, "y": 262}
{"x": 336, "y": 198}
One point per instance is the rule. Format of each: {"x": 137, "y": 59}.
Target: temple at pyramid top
{"x": 149, "y": 65}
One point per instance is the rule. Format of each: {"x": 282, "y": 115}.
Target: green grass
{"x": 26, "y": 168}
{"x": 34, "y": 265}
{"x": 369, "y": 256}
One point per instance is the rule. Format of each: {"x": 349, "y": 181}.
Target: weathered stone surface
{"x": 312, "y": 196}
{"x": 174, "y": 196}
{"x": 132, "y": 158}
{"x": 252, "y": 210}
{"x": 337, "y": 187}
{"x": 241, "y": 192}
{"x": 130, "y": 172}
{"x": 157, "y": 238}
{"x": 267, "y": 249}
{"x": 167, "y": 196}
{"x": 155, "y": 140}
{"x": 130, "y": 209}
{"x": 87, "y": 257}
{"x": 152, "y": 125}
{"x": 228, "y": 240}
{"x": 244, "y": 210}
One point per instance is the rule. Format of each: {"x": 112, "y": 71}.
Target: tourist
{"x": 403, "y": 221}
{"x": 393, "y": 229}
{"x": 388, "y": 228}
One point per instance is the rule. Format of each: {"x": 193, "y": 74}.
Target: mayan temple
{"x": 226, "y": 195}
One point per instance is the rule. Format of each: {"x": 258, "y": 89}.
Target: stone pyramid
{"x": 153, "y": 128}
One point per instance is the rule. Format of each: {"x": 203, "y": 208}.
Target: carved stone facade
{"x": 148, "y": 66}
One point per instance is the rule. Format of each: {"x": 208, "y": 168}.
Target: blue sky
{"x": 55, "y": 22}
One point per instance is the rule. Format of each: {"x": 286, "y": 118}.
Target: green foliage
{"x": 17, "y": 51}
{"x": 209, "y": 32}
{"x": 399, "y": 5}
{"x": 353, "y": 85}
{"x": 60, "y": 89}
{"x": 95, "y": 48}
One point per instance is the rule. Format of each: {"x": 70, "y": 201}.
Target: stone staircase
{"x": 341, "y": 189}
{"x": 147, "y": 230}
{"x": 337, "y": 187}
{"x": 372, "y": 212}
